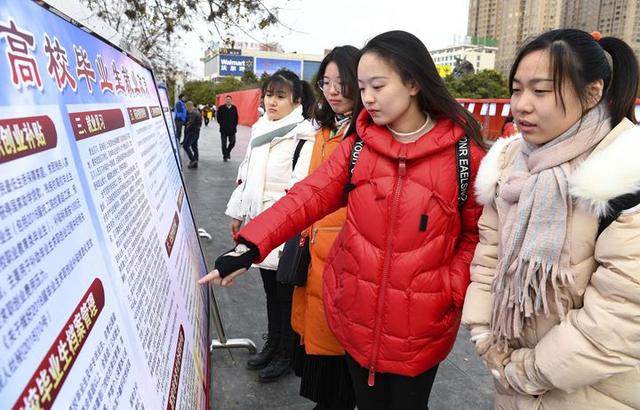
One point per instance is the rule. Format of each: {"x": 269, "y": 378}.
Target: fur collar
{"x": 608, "y": 172}
{"x": 489, "y": 171}
{"x": 613, "y": 169}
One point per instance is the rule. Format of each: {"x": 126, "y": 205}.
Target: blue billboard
{"x": 235, "y": 65}
{"x": 310, "y": 68}
{"x": 271, "y": 65}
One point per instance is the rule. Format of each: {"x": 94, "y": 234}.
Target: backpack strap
{"x": 355, "y": 154}
{"x": 271, "y": 135}
{"x": 463, "y": 166}
{"x": 616, "y": 206}
{"x": 296, "y": 153}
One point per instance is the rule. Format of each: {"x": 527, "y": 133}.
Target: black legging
{"x": 279, "y": 298}
{"x": 190, "y": 145}
{"x": 179, "y": 129}
{"x": 391, "y": 391}
{"x": 227, "y": 147}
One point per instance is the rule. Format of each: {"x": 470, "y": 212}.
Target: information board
{"x": 163, "y": 93}
{"x": 235, "y": 65}
{"x": 271, "y": 65}
{"x": 99, "y": 255}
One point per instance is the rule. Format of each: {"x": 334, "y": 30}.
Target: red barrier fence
{"x": 491, "y": 114}
{"x": 247, "y": 102}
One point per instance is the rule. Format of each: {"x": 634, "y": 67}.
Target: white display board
{"x": 99, "y": 255}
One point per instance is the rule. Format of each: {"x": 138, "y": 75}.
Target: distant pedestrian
{"x": 227, "y": 117}
{"x": 192, "y": 134}
{"x": 509, "y": 127}
{"x": 207, "y": 114}
{"x": 180, "y": 115}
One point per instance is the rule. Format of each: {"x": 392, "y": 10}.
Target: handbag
{"x": 295, "y": 256}
{"x": 294, "y": 261}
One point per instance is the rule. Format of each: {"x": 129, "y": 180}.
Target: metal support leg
{"x": 222, "y": 342}
{"x": 203, "y": 233}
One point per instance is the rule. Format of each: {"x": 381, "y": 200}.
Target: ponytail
{"x": 623, "y": 87}
{"x": 307, "y": 99}
{"x": 300, "y": 90}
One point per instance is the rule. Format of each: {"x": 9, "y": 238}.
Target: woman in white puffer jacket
{"x": 279, "y": 139}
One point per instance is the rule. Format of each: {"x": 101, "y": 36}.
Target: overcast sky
{"x": 319, "y": 24}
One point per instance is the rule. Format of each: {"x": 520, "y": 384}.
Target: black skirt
{"x": 324, "y": 380}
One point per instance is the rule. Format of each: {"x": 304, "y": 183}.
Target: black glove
{"x": 240, "y": 257}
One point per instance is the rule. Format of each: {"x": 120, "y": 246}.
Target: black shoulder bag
{"x": 295, "y": 256}
{"x": 616, "y": 206}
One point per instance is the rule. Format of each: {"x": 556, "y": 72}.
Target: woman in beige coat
{"x": 554, "y": 303}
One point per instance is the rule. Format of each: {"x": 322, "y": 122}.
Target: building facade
{"x": 482, "y": 57}
{"x": 515, "y": 21}
{"x": 224, "y": 62}
{"x": 484, "y": 21}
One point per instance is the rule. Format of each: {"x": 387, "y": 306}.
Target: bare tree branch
{"x": 155, "y": 26}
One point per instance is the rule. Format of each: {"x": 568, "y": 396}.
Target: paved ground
{"x": 462, "y": 381}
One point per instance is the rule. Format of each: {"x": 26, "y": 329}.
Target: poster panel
{"x": 271, "y": 65}
{"x": 309, "y": 69}
{"x": 235, "y": 65}
{"x": 99, "y": 256}
{"x": 163, "y": 93}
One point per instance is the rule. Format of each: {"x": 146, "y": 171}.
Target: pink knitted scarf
{"x": 534, "y": 203}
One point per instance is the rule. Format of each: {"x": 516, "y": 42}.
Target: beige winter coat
{"x": 592, "y": 357}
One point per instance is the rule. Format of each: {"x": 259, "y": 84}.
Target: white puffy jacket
{"x": 265, "y": 174}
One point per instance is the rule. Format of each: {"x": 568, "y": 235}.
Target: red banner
{"x": 138, "y": 114}
{"x": 173, "y": 231}
{"x": 47, "y": 381}
{"x": 175, "y": 374}
{"x": 247, "y": 103}
{"x": 156, "y": 111}
{"x": 88, "y": 124}
{"x": 180, "y": 198}
{"x": 24, "y": 136}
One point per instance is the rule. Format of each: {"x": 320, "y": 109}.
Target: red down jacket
{"x": 393, "y": 292}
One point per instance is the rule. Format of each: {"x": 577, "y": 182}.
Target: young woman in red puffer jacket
{"x": 397, "y": 275}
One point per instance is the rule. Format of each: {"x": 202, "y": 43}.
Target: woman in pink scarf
{"x": 554, "y": 303}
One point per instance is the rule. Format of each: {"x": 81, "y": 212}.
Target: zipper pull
{"x": 372, "y": 376}
{"x": 313, "y": 235}
{"x": 402, "y": 167}
{"x": 302, "y": 240}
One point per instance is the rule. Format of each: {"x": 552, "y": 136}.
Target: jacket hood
{"x": 378, "y": 138}
{"x": 610, "y": 171}
{"x": 490, "y": 168}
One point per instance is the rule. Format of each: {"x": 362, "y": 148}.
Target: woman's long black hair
{"x": 346, "y": 58}
{"x": 411, "y": 59}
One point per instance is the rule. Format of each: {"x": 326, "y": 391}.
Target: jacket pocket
{"x": 319, "y": 231}
{"x": 446, "y": 270}
{"x": 430, "y": 314}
